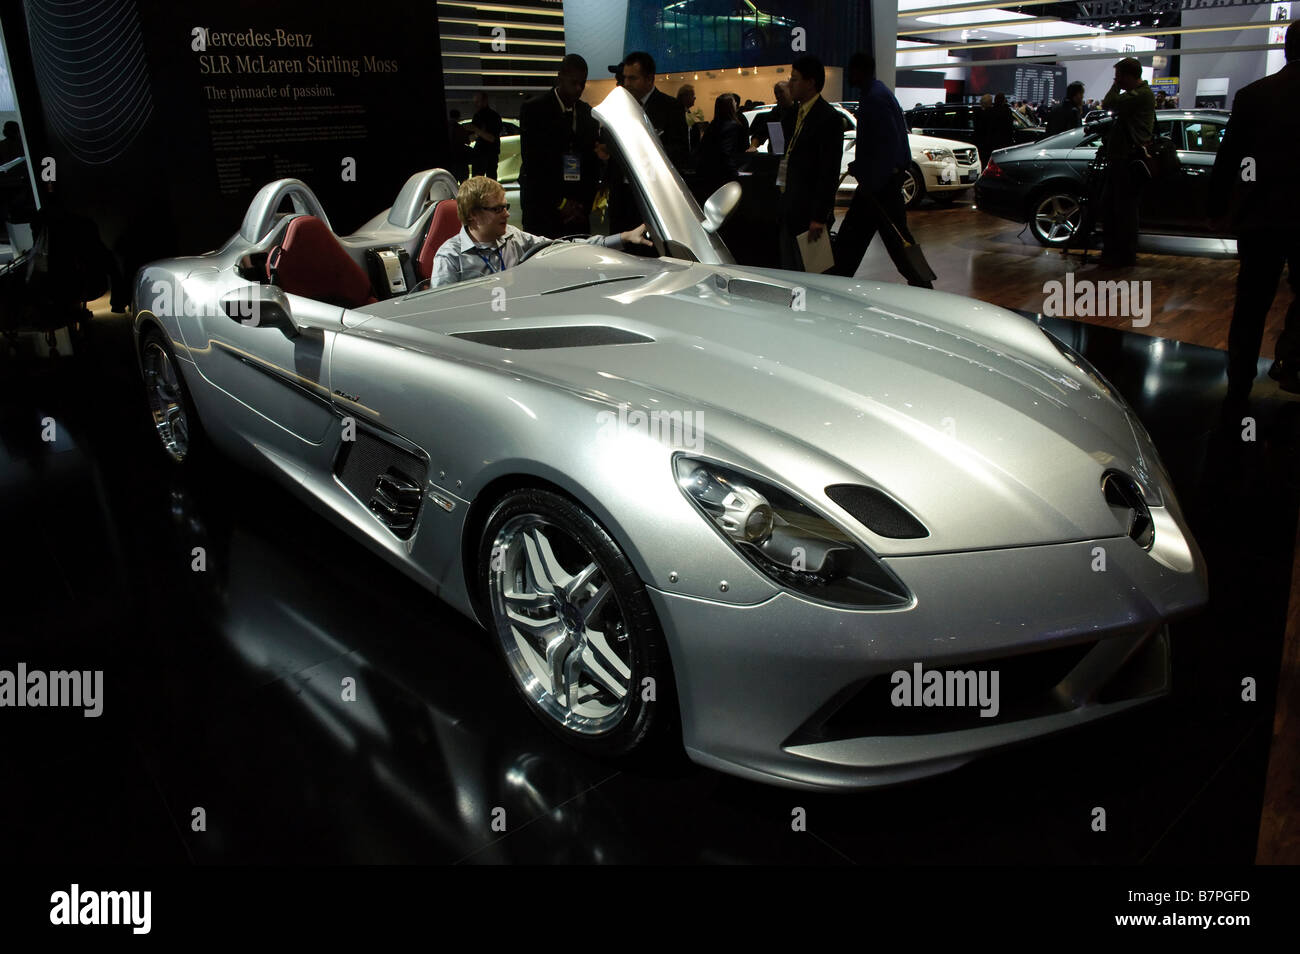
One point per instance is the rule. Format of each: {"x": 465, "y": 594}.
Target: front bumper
{"x": 948, "y": 176}
{"x": 789, "y": 691}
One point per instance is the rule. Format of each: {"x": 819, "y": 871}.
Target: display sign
{"x": 162, "y": 121}
{"x": 1028, "y": 82}
{"x": 1107, "y": 10}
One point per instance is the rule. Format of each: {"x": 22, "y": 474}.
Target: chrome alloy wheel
{"x": 560, "y": 625}
{"x": 166, "y": 400}
{"x": 1057, "y": 218}
{"x": 909, "y": 188}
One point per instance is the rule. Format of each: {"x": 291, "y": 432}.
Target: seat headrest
{"x": 310, "y": 261}
{"x": 444, "y": 223}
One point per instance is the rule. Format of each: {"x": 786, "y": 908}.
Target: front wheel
{"x": 574, "y": 625}
{"x": 913, "y": 187}
{"x": 1055, "y": 217}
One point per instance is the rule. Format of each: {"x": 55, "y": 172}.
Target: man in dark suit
{"x": 1069, "y": 114}
{"x": 879, "y": 165}
{"x": 664, "y": 112}
{"x": 810, "y": 169}
{"x": 758, "y": 131}
{"x": 1254, "y": 174}
{"x": 557, "y": 144}
{"x": 486, "y": 127}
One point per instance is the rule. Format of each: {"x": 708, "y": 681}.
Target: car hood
{"x": 917, "y": 141}
{"x": 965, "y": 412}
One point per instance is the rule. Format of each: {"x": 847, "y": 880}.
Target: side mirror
{"x": 720, "y": 205}
{"x": 260, "y": 306}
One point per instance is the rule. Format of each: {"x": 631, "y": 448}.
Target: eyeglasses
{"x": 496, "y": 209}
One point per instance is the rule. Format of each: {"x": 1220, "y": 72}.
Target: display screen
{"x": 707, "y": 34}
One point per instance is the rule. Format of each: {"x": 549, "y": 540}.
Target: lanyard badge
{"x": 488, "y": 262}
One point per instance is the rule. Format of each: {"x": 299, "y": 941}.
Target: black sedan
{"x": 957, "y": 121}
{"x": 1041, "y": 183}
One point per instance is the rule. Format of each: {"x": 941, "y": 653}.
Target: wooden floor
{"x": 982, "y": 256}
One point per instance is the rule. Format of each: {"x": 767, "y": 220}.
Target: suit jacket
{"x": 758, "y": 128}
{"x": 882, "y": 144}
{"x": 1265, "y": 126}
{"x": 812, "y": 173}
{"x": 669, "y": 120}
{"x": 1000, "y": 128}
{"x": 1063, "y": 118}
{"x": 546, "y": 134}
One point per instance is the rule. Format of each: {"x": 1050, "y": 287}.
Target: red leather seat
{"x": 310, "y": 262}
{"x": 443, "y": 224}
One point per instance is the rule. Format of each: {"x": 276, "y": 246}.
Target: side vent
{"x": 396, "y": 501}
{"x": 385, "y": 479}
{"x": 877, "y": 511}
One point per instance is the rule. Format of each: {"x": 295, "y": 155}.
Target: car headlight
{"x": 785, "y": 539}
{"x": 939, "y": 155}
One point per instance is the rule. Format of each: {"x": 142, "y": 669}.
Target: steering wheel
{"x": 535, "y": 249}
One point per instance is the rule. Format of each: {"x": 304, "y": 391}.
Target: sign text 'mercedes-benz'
{"x": 1109, "y": 9}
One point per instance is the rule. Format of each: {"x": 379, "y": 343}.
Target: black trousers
{"x": 862, "y": 223}
{"x": 486, "y": 165}
{"x": 1120, "y": 196}
{"x": 1261, "y": 256}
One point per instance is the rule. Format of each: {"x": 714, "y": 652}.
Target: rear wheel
{"x": 1055, "y": 217}
{"x": 170, "y": 405}
{"x": 574, "y": 625}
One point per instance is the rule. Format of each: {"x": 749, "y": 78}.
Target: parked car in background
{"x": 957, "y": 121}
{"x": 941, "y": 168}
{"x": 1043, "y": 183}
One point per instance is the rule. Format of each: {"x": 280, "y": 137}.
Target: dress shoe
{"x": 1287, "y": 375}
{"x": 1282, "y": 368}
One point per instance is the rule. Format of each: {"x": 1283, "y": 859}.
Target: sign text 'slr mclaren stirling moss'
{"x": 192, "y": 107}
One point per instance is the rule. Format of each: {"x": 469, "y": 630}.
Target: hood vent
{"x": 573, "y": 336}
{"x": 877, "y": 511}
{"x": 761, "y": 291}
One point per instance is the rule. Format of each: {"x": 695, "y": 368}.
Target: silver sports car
{"x": 822, "y": 532}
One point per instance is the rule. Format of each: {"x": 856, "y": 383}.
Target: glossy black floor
{"x": 222, "y": 687}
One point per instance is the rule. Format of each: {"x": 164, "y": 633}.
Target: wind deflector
{"x": 674, "y": 214}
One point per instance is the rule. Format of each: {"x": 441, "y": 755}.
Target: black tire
{"x": 918, "y": 181}
{"x": 637, "y": 726}
{"x": 1052, "y": 204}
{"x": 154, "y": 346}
